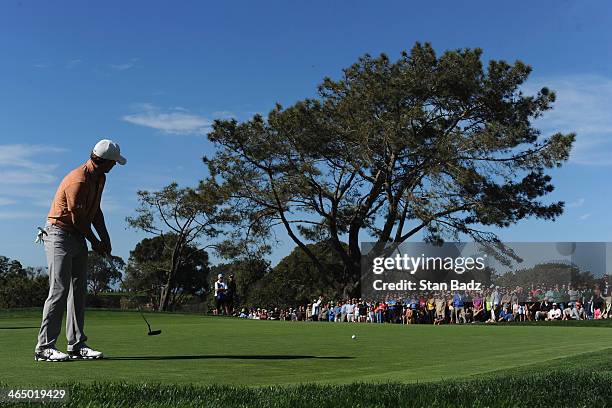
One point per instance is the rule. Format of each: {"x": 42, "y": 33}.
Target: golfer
{"x": 74, "y": 209}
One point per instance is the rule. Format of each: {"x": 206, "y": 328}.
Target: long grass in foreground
{"x": 552, "y": 389}
{"x": 581, "y": 381}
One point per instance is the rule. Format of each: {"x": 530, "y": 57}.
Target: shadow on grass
{"x": 19, "y": 328}
{"x": 228, "y": 357}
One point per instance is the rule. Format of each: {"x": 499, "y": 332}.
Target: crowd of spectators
{"x": 496, "y": 304}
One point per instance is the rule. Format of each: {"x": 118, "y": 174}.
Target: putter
{"x": 151, "y": 332}
{"x": 132, "y": 297}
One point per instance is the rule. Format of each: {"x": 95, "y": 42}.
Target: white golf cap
{"x": 109, "y": 150}
{"x": 220, "y": 275}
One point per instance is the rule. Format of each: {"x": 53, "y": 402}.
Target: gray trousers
{"x": 67, "y": 261}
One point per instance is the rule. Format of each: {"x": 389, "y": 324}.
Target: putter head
{"x": 154, "y": 332}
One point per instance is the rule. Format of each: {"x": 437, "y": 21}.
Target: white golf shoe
{"x": 50, "y": 354}
{"x": 85, "y": 352}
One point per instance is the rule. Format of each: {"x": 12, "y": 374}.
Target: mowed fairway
{"x": 204, "y": 350}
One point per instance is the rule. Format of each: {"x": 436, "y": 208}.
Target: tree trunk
{"x": 167, "y": 291}
{"x": 352, "y": 277}
{"x": 175, "y": 262}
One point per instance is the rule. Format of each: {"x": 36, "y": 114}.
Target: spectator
{"x": 338, "y": 312}
{"x": 363, "y": 311}
{"x": 567, "y": 313}
{"x": 431, "y": 308}
{"x": 343, "y": 311}
{"x": 505, "y": 315}
{"x": 331, "y": 315}
{"x": 371, "y": 313}
{"x": 554, "y": 313}
{"x": 587, "y": 296}
{"x": 580, "y": 311}
{"x": 301, "y": 314}
{"x": 506, "y": 299}
{"x": 350, "y": 311}
{"x": 380, "y": 311}
{"x": 458, "y": 304}
{"x": 230, "y": 295}
{"x": 324, "y": 313}
{"x": 598, "y": 304}
{"x": 316, "y": 304}
{"x": 440, "y": 307}
{"x": 607, "y": 313}
{"x": 522, "y": 312}
{"x": 496, "y": 301}
{"x": 408, "y": 318}
{"x": 573, "y": 296}
{"x": 478, "y": 310}
{"x": 220, "y": 288}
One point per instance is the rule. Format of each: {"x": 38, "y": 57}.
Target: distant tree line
{"x": 21, "y": 287}
{"x": 294, "y": 279}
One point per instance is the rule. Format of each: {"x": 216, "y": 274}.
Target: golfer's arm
{"x": 83, "y": 227}
{"x": 100, "y": 226}
{"x": 76, "y": 197}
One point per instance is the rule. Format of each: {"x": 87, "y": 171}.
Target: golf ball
{"x": 353, "y": 337}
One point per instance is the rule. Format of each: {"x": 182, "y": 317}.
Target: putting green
{"x": 204, "y": 350}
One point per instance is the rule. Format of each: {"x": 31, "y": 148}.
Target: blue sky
{"x": 152, "y": 75}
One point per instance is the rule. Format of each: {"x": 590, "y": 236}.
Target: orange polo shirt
{"x": 78, "y": 196}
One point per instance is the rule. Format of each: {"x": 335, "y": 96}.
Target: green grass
{"x": 211, "y": 360}
{"x": 535, "y": 390}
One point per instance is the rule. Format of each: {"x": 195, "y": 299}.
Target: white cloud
{"x": 124, "y": 66}
{"x": 21, "y": 164}
{"x": 19, "y": 215}
{"x": 25, "y": 180}
{"x": 7, "y": 201}
{"x": 73, "y": 63}
{"x": 583, "y": 106}
{"x": 25, "y": 177}
{"x": 577, "y": 203}
{"x": 175, "y": 120}
{"x": 22, "y": 156}
{"x": 584, "y": 217}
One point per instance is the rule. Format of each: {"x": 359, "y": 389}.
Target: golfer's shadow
{"x": 227, "y": 357}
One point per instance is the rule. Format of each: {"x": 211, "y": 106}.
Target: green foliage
{"x": 548, "y": 274}
{"x": 247, "y": 272}
{"x": 185, "y": 215}
{"x": 296, "y": 279}
{"x": 439, "y": 144}
{"x": 102, "y": 273}
{"x": 194, "y": 212}
{"x": 148, "y": 267}
{"x": 21, "y": 287}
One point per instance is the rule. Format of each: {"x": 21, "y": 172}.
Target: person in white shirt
{"x": 350, "y": 311}
{"x": 220, "y": 288}
{"x": 554, "y": 313}
{"x": 316, "y": 307}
